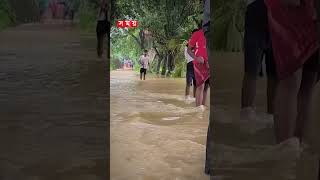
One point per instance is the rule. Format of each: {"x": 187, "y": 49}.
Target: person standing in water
{"x": 201, "y": 66}
{"x": 103, "y": 26}
{"x": 295, "y": 41}
{"x": 144, "y": 62}
{"x": 257, "y": 44}
{"x": 190, "y": 78}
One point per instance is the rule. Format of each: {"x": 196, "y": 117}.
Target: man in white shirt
{"x": 103, "y": 26}
{"x": 144, "y": 62}
{"x": 189, "y": 75}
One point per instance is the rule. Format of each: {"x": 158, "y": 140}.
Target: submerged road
{"x": 53, "y": 115}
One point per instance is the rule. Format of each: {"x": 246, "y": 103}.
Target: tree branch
{"x": 135, "y": 38}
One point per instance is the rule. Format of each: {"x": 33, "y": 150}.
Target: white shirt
{"x": 250, "y": 1}
{"x": 144, "y": 61}
{"x": 187, "y": 55}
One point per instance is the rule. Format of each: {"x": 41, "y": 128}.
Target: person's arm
{"x": 197, "y": 58}
{"x": 191, "y": 44}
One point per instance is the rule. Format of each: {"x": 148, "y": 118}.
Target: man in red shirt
{"x": 201, "y": 66}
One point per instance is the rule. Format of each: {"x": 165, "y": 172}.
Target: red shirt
{"x": 198, "y": 42}
{"x": 294, "y": 35}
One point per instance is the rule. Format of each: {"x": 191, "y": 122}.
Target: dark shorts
{"x": 142, "y": 70}
{"x": 190, "y": 77}
{"x": 257, "y": 40}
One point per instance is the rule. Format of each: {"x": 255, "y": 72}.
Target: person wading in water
{"x": 201, "y": 66}
{"x": 103, "y": 26}
{"x": 295, "y": 41}
{"x": 190, "y": 78}
{"x": 144, "y": 62}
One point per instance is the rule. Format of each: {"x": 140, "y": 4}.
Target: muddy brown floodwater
{"x": 154, "y": 134}
{"x": 53, "y": 111}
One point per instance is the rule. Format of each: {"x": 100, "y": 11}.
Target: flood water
{"x": 156, "y": 135}
{"x": 53, "y": 105}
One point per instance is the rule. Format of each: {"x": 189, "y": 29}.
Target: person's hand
{"x": 294, "y": 3}
{"x": 200, "y": 59}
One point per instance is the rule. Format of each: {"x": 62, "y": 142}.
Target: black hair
{"x": 195, "y": 30}
{"x": 145, "y": 51}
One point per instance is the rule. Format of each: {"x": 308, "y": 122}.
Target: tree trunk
{"x": 170, "y": 63}
{"x": 142, "y": 39}
{"x": 164, "y": 65}
{"x": 159, "y": 65}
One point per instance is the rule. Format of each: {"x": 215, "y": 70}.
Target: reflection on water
{"x": 155, "y": 134}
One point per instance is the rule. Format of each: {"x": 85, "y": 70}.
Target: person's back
{"x": 144, "y": 63}
{"x": 103, "y": 26}
{"x": 144, "y": 60}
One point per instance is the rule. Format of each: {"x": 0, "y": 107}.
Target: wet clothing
{"x": 257, "y": 40}
{"x": 201, "y": 71}
{"x": 294, "y": 35}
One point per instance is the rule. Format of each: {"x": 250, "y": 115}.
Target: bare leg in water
{"x": 293, "y": 104}
{"x": 304, "y": 102}
{"x": 187, "y": 92}
{"x": 271, "y": 90}
{"x": 248, "y": 90}
{"x": 285, "y": 112}
{"x": 199, "y": 95}
{"x": 205, "y": 91}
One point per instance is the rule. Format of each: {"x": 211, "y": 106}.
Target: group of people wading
{"x": 285, "y": 33}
